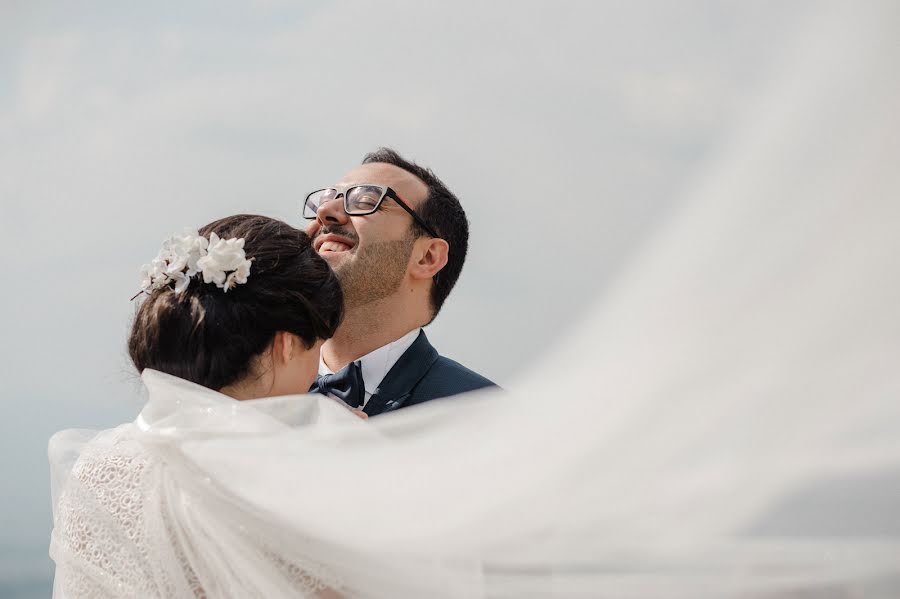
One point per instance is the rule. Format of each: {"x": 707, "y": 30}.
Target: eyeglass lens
{"x": 361, "y": 199}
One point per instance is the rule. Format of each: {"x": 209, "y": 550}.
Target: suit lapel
{"x": 402, "y": 378}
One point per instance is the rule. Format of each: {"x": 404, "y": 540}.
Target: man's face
{"x": 369, "y": 254}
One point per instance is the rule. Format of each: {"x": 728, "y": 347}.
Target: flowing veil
{"x": 725, "y": 422}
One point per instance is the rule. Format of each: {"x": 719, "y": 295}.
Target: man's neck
{"x": 364, "y": 330}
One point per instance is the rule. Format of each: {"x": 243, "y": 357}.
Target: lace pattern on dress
{"x": 124, "y": 528}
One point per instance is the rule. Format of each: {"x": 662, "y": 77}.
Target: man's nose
{"x": 332, "y": 211}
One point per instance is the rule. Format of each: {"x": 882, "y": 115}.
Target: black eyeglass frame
{"x": 386, "y": 192}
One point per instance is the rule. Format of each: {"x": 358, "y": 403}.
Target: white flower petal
{"x": 181, "y": 282}
{"x": 229, "y": 283}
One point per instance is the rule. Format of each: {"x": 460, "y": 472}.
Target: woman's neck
{"x": 251, "y": 386}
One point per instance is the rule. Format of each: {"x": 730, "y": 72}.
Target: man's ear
{"x": 430, "y": 257}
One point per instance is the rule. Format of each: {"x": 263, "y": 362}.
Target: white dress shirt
{"x": 376, "y": 364}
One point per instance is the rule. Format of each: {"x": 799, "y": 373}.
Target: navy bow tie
{"x": 346, "y": 384}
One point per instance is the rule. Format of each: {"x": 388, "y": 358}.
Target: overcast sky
{"x": 567, "y": 129}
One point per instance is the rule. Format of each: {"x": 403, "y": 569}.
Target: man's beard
{"x": 375, "y": 272}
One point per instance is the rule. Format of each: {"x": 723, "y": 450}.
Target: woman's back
{"x": 134, "y": 517}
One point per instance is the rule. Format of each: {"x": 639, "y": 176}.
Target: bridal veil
{"x": 724, "y": 423}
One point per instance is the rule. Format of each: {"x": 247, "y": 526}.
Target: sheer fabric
{"x": 134, "y": 519}
{"x": 728, "y": 422}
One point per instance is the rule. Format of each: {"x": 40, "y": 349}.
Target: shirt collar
{"x": 376, "y": 364}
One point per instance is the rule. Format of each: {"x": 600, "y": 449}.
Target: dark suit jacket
{"x": 421, "y": 375}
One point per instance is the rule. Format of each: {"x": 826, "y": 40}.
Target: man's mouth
{"x": 333, "y": 246}
{"x": 328, "y": 244}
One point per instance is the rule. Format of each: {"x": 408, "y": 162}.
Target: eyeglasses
{"x": 359, "y": 200}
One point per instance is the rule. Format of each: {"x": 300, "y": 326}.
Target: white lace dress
{"x": 133, "y": 518}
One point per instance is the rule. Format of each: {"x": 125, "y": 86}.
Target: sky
{"x": 567, "y": 129}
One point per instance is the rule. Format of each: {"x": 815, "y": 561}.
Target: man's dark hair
{"x": 443, "y": 212}
{"x": 210, "y": 337}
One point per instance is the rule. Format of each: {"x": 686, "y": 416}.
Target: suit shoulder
{"x": 454, "y": 377}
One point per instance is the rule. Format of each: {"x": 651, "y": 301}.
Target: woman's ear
{"x": 283, "y": 347}
{"x": 431, "y": 257}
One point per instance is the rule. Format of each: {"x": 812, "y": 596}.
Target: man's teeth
{"x": 333, "y": 246}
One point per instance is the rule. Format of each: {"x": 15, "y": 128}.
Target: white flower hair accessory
{"x": 223, "y": 256}
{"x": 222, "y": 261}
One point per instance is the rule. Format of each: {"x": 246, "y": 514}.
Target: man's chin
{"x": 335, "y": 259}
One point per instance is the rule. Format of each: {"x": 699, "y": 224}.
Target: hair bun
{"x": 209, "y": 337}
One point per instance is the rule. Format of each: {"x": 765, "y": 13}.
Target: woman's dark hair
{"x": 210, "y": 337}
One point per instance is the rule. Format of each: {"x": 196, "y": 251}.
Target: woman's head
{"x": 272, "y": 323}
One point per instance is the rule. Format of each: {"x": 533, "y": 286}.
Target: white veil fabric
{"x": 724, "y": 423}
